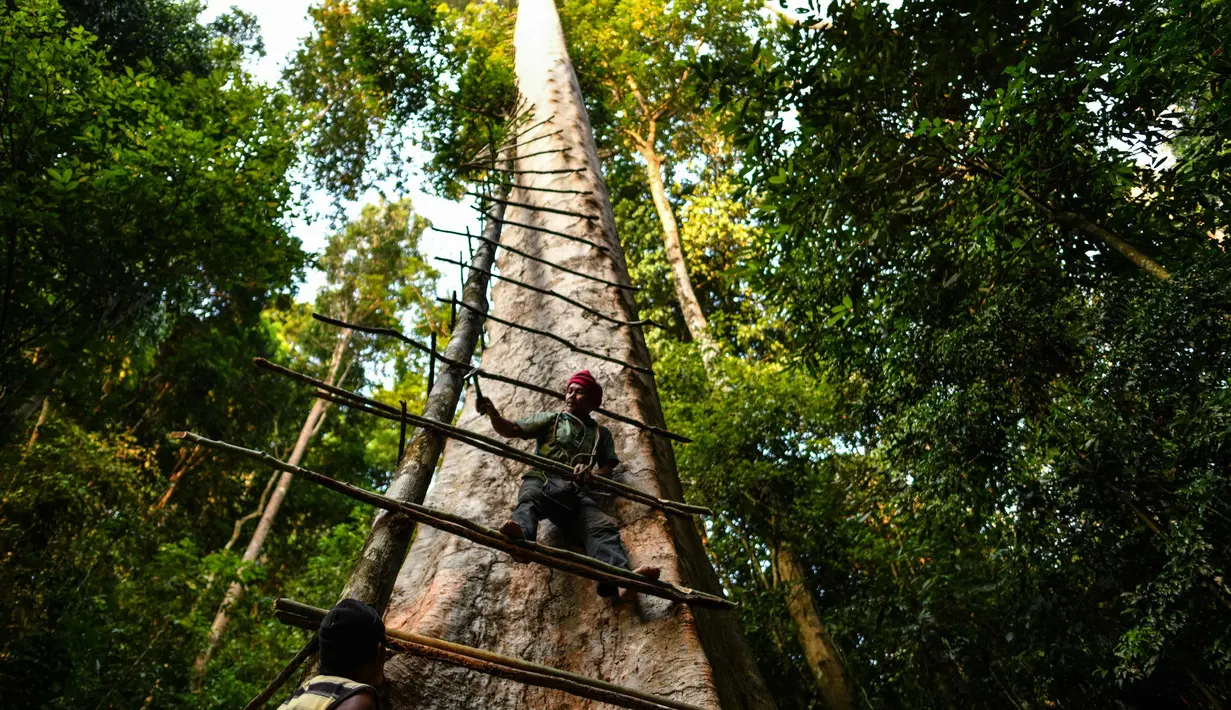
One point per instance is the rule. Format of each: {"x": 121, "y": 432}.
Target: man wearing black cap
{"x": 352, "y": 648}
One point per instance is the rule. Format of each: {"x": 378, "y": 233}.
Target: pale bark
{"x": 42, "y": 417}
{"x": 311, "y": 426}
{"x": 694, "y": 317}
{"x": 828, "y": 670}
{"x": 457, "y": 590}
{"x": 376, "y": 570}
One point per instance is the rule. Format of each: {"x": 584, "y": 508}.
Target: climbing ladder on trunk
{"x": 503, "y": 162}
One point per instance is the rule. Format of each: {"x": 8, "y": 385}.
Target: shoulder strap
{"x": 324, "y": 692}
{"x": 584, "y": 428}
{"x": 353, "y": 689}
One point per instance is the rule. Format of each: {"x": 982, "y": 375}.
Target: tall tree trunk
{"x": 694, "y": 317}
{"x": 828, "y": 670}
{"x": 311, "y": 425}
{"x": 42, "y": 418}
{"x": 376, "y": 570}
{"x": 454, "y": 589}
{"x": 819, "y": 649}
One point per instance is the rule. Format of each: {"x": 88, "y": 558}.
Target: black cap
{"x": 353, "y": 624}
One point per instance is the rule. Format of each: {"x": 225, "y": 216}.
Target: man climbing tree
{"x": 571, "y": 437}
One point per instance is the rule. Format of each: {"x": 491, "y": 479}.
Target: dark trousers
{"x": 574, "y": 512}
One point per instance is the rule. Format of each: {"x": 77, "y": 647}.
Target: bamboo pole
{"x": 492, "y": 445}
{"x": 483, "y": 153}
{"x": 502, "y": 450}
{"x": 563, "y": 341}
{"x": 296, "y": 614}
{"x": 502, "y": 378}
{"x": 554, "y": 294}
{"x": 556, "y": 558}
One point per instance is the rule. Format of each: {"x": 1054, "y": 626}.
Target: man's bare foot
{"x": 650, "y": 571}
{"x": 513, "y": 530}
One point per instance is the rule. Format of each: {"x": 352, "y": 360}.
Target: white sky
{"x": 283, "y": 24}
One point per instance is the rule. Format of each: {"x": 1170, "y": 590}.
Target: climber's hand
{"x": 485, "y": 406}
{"x": 583, "y": 472}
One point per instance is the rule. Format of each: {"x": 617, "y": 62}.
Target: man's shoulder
{"x": 536, "y": 421}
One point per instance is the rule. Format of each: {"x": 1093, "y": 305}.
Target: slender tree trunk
{"x": 1098, "y": 233}
{"x": 376, "y": 570}
{"x": 42, "y": 417}
{"x": 311, "y": 425}
{"x": 828, "y": 670}
{"x": 460, "y": 591}
{"x": 694, "y": 317}
{"x": 188, "y": 460}
{"x": 819, "y": 650}
{"x": 1093, "y": 231}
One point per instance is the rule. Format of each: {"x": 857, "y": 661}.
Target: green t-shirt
{"x": 560, "y": 436}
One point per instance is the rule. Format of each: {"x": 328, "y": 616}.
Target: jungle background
{"x": 945, "y": 283}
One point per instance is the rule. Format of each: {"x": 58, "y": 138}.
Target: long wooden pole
{"x": 659, "y": 431}
{"x": 571, "y": 301}
{"x": 492, "y": 445}
{"x": 563, "y": 341}
{"x": 371, "y": 581}
{"x": 564, "y": 560}
{"x": 304, "y": 616}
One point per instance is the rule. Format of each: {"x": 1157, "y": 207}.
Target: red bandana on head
{"x": 587, "y": 382}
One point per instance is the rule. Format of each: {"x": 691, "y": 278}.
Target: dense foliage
{"x": 147, "y": 261}
{"x": 964, "y": 264}
{"x": 944, "y": 189}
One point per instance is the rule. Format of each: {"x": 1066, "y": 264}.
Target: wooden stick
{"x": 554, "y": 557}
{"x": 431, "y": 363}
{"x": 503, "y": 450}
{"x": 493, "y": 669}
{"x": 548, "y": 292}
{"x": 489, "y": 444}
{"x": 531, "y": 128}
{"x": 561, "y": 171}
{"x": 564, "y": 235}
{"x": 497, "y": 447}
{"x": 287, "y": 671}
{"x": 558, "y": 339}
{"x": 541, "y": 260}
{"x": 536, "y": 189}
{"x": 495, "y": 664}
{"x": 533, "y": 208}
{"x": 541, "y": 152}
{"x": 500, "y": 378}
{"x": 510, "y": 146}
{"x": 402, "y": 435}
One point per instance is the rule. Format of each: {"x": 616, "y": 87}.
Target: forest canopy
{"x": 947, "y": 309}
